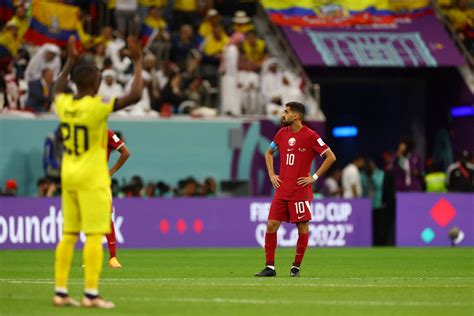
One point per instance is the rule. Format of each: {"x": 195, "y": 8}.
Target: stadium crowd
{"x": 460, "y": 14}
{"x": 194, "y": 57}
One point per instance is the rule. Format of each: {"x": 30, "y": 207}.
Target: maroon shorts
{"x": 290, "y": 211}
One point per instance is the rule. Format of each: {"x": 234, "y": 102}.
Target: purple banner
{"x": 32, "y": 223}
{"x": 421, "y": 43}
{"x": 426, "y": 219}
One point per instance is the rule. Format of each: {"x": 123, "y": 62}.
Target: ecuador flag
{"x": 337, "y": 13}
{"x": 52, "y": 22}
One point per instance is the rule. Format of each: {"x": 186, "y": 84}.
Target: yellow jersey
{"x": 185, "y": 5}
{"x": 254, "y": 53}
{"x": 83, "y": 125}
{"x": 153, "y": 3}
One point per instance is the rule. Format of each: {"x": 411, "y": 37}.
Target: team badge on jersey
{"x": 292, "y": 141}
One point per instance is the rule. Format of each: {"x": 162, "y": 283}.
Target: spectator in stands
{"x": 332, "y": 187}
{"x": 46, "y": 188}
{"x": 242, "y": 23}
{"x": 435, "y": 178}
{"x": 185, "y": 12}
{"x": 210, "y": 187}
{"x": 249, "y": 87}
{"x": 121, "y": 62}
{"x": 184, "y": 50}
{"x": 20, "y": 62}
{"x": 212, "y": 20}
{"x": 190, "y": 188}
{"x": 11, "y": 188}
{"x": 108, "y": 86}
{"x": 460, "y": 175}
{"x": 214, "y": 45}
{"x": 99, "y": 55}
{"x": 271, "y": 79}
{"x": 159, "y": 42}
{"x": 351, "y": 183}
{"x": 173, "y": 94}
{"x": 373, "y": 186}
{"x": 278, "y": 87}
{"x": 42, "y": 187}
{"x": 126, "y": 16}
{"x": 13, "y": 91}
{"x": 151, "y": 94}
{"x": 164, "y": 190}
{"x": 230, "y": 93}
{"x": 21, "y": 20}
{"x": 407, "y": 167}
{"x": 150, "y": 190}
{"x": 254, "y": 49}
{"x": 196, "y": 92}
{"x": 48, "y": 56}
{"x": 106, "y": 36}
{"x": 39, "y": 92}
{"x": 134, "y": 188}
{"x": 53, "y": 155}
{"x": 10, "y": 42}
{"x": 145, "y": 5}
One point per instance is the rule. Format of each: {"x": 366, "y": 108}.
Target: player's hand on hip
{"x": 304, "y": 181}
{"x": 275, "y": 181}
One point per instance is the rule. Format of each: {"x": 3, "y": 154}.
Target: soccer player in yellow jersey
{"x": 85, "y": 178}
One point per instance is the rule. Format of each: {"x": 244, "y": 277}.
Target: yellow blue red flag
{"x": 52, "y": 22}
{"x": 341, "y": 13}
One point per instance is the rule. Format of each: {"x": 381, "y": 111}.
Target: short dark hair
{"x": 84, "y": 75}
{"x": 297, "y": 107}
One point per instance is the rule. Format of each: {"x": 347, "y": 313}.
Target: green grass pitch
{"x": 359, "y": 281}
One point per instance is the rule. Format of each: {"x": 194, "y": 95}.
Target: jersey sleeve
{"x": 114, "y": 142}
{"x": 318, "y": 145}
{"x": 104, "y": 106}
{"x": 276, "y": 142}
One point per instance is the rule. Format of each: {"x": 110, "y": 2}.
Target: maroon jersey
{"x": 297, "y": 152}
{"x": 113, "y": 143}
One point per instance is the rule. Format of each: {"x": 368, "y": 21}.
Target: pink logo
{"x": 443, "y": 212}
{"x": 198, "y": 226}
{"x": 181, "y": 226}
{"x": 164, "y": 226}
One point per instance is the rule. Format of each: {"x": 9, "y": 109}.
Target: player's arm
{"x": 269, "y": 162}
{"x": 124, "y": 155}
{"x": 135, "y": 93}
{"x": 72, "y": 56}
{"x": 329, "y": 159}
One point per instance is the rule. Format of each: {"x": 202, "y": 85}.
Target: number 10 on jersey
{"x": 290, "y": 159}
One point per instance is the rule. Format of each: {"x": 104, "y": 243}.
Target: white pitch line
{"x": 250, "y": 301}
{"x": 253, "y": 278}
{"x": 256, "y": 284}
{"x": 220, "y": 300}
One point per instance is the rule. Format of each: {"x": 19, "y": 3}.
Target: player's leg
{"x": 278, "y": 213}
{"x": 300, "y": 213}
{"x": 65, "y": 249}
{"x": 95, "y": 211}
{"x": 301, "y": 245}
{"x": 112, "y": 244}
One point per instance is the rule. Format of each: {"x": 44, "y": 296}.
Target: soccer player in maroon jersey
{"x": 115, "y": 143}
{"x": 298, "y": 145}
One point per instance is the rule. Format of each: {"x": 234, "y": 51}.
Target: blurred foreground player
{"x": 115, "y": 143}
{"x": 85, "y": 177}
{"x": 298, "y": 146}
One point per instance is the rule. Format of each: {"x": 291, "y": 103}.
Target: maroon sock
{"x": 270, "y": 247}
{"x": 111, "y": 241}
{"x": 300, "y": 248}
